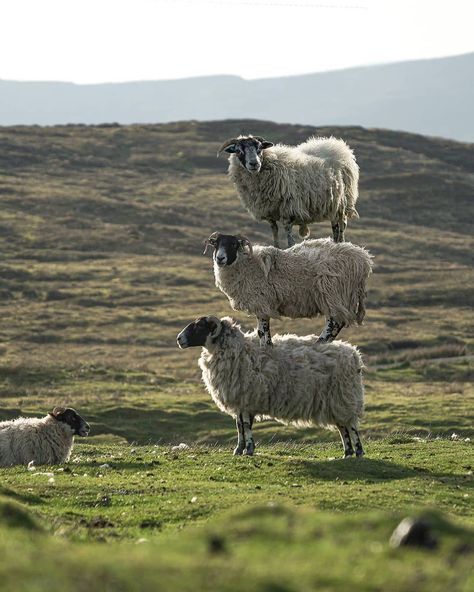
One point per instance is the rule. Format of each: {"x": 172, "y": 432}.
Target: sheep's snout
{"x": 84, "y": 430}
{"x": 221, "y": 257}
{"x": 182, "y": 341}
{"x": 253, "y": 167}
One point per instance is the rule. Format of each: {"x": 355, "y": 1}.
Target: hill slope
{"x": 101, "y": 237}
{"x": 431, "y": 97}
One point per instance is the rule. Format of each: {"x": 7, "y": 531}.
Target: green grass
{"x": 290, "y": 518}
{"x": 101, "y": 232}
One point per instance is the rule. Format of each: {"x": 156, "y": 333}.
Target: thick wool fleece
{"x": 314, "y": 181}
{"x": 46, "y": 441}
{"x": 298, "y": 381}
{"x": 315, "y": 277}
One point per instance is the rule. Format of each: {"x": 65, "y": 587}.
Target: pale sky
{"x": 89, "y": 41}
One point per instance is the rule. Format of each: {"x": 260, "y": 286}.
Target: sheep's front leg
{"x": 264, "y": 332}
{"x": 289, "y": 234}
{"x": 358, "y": 444}
{"x": 274, "y": 226}
{"x": 346, "y": 441}
{"x": 330, "y": 331}
{"x": 239, "y": 449}
{"x": 247, "y": 421}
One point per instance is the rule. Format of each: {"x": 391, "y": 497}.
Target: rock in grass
{"x": 413, "y": 532}
{"x": 216, "y": 544}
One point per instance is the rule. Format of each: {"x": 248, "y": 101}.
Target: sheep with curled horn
{"x": 295, "y": 185}
{"x": 300, "y": 381}
{"x": 313, "y": 278}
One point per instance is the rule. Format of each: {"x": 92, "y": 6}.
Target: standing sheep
{"x": 45, "y": 441}
{"x": 299, "y": 381}
{"x": 315, "y": 277}
{"x": 295, "y": 185}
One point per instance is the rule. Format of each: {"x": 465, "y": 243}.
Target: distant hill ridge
{"x": 432, "y": 97}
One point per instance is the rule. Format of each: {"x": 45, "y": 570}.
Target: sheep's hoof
{"x": 238, "y": 450}
{"x": 348, "y": 454}
{"x": 360, "y": 454}
{"x": 250, "y": 449}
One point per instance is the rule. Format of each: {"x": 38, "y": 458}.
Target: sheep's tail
{"x": 350, "y": 177}
{"x": 352, "y": 213}
{"x": 360, "y": 314}
{"x": 304, "y": 231}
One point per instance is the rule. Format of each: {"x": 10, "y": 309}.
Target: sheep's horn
{"x": 244, "y": 242}
{"x": 218, "y": 324}
{"x": 208, "y": 242}
{"x": 226, "y": 144}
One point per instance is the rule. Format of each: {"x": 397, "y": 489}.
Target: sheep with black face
{"x": 299, "y": 381}
{"x": 313, "y": 278}
{"x": 295, "y": 185}
{"x": 45, "y": 441}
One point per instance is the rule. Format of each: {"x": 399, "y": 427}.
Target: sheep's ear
{"x": 230, "y": 149}
{"x": 57, "y": 411}
{"x": 244, "y": 242}
{"x": 263, "y": 142}
{"x": 266, "y": 260}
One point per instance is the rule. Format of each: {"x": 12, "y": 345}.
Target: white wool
{"x": 41, "y": 441}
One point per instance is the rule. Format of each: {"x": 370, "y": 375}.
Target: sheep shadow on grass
{"x": 365, "y": 469}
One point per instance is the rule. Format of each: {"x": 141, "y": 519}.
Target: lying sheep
{"x": 315, "y": 277}
{"x": 295, "y": 185}
{"x": 299, "y": 381}
{"x": 45, "y": 441}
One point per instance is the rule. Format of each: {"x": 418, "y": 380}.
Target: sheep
{"x": 299, "y": 381}
{"x": 295, "y": 185}
{"x": 309, "y": 279}
{"x": 45, "y": 441}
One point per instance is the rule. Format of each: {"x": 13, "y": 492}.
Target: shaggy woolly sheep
{"x": 315, "y": 277}
{"x": 295, "y": 185}
{"x": 299, "y": 381}
{"x": 46, "y": 441}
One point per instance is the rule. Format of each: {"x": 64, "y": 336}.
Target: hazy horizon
{"x": 244, "y": 78}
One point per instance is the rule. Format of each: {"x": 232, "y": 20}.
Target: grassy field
{"x": 101, "y": 230}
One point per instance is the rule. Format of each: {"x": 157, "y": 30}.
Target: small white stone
{"x": 104, "y": 466}
{"x": 181, "y": 446}
{"x": 454, "y": 436}
{"x": 194, "y": 500}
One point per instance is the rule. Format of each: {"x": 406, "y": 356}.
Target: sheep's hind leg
{"x": 241, "y": 436}
{"x": 358, "y": 444}
{"x": 342, "y": 228}
{"x": 274, "y": 226}
{"x": 335, "y": 232}
{"x": 289, "y": 234}
{"x": 264, "y": 332}
{"x": 346, "y": 441}
{"x": 247, "y": 421}
{"x": 330, "y": 331}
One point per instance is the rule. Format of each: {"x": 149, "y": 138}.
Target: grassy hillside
{"x": 101, "y": 232}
